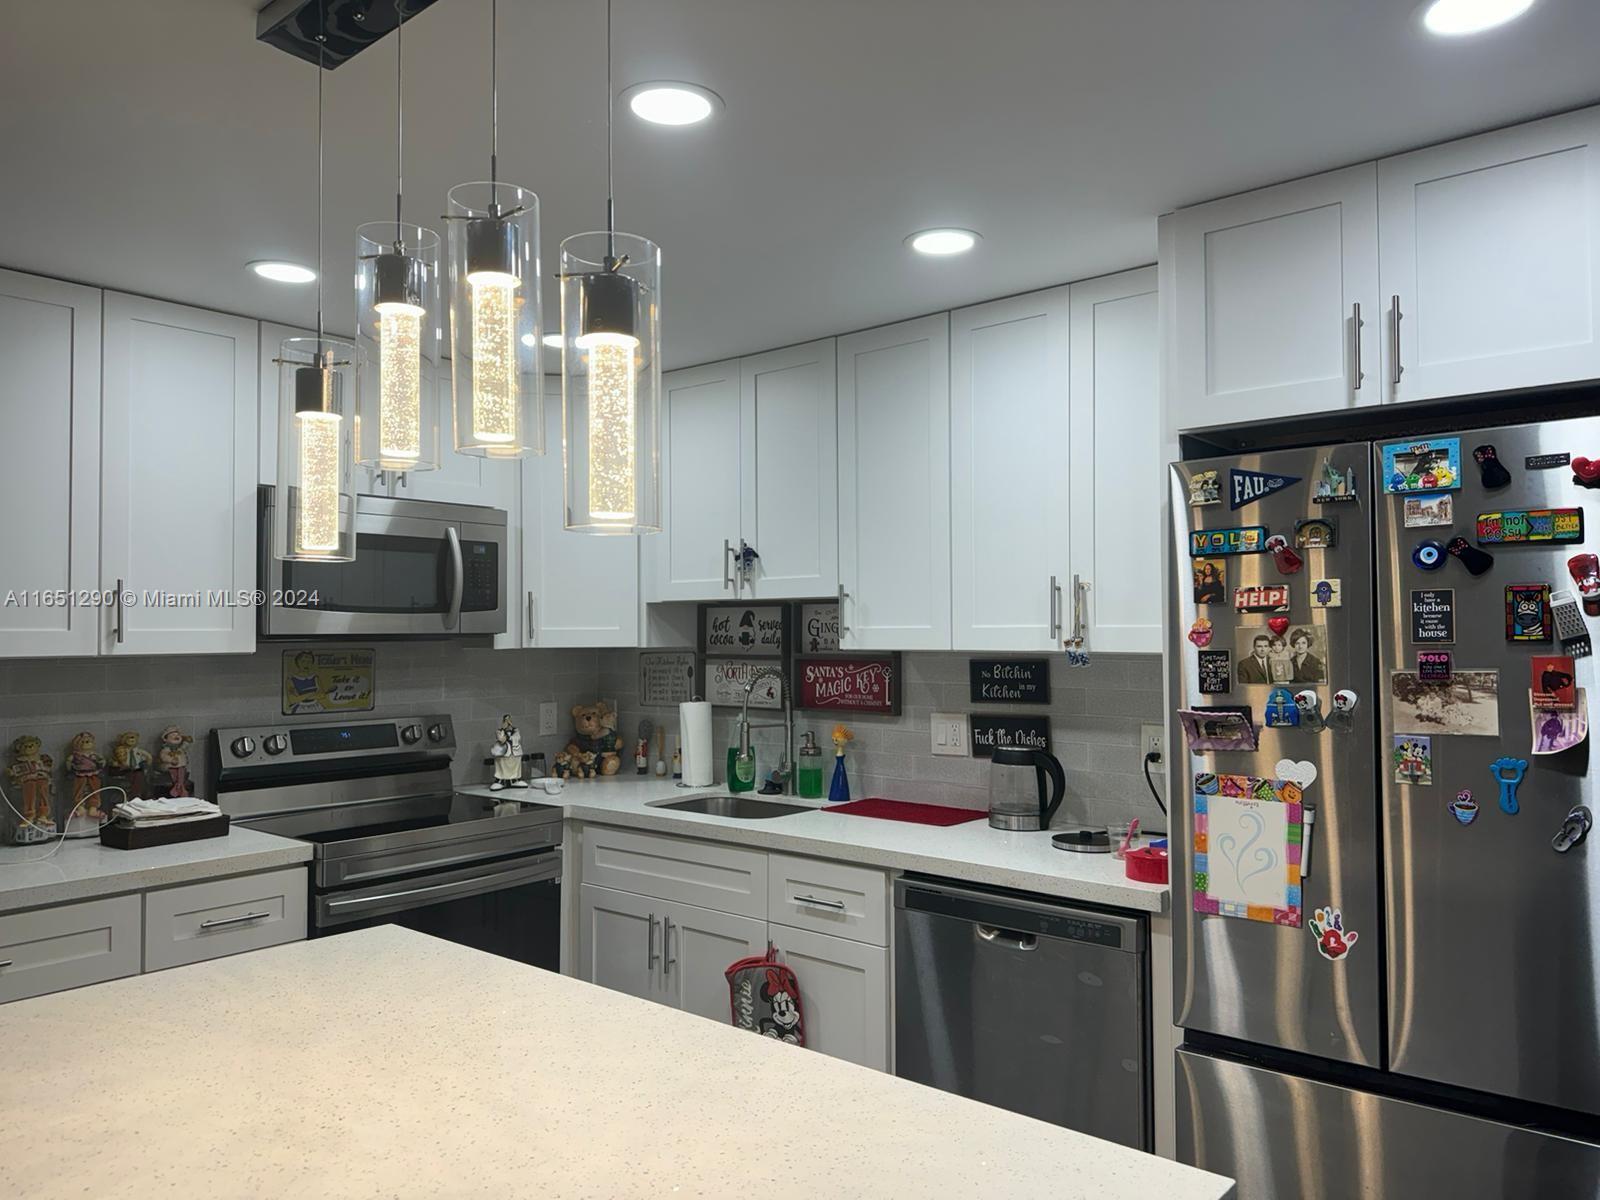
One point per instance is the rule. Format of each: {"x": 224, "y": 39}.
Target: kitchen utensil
{"x": 1017, "y": 788}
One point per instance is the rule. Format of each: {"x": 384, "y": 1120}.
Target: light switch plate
{"x": 948, "y": 733}
{"x": 547, "y": 718}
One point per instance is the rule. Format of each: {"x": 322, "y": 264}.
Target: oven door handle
{"x": 458, "y": 577}
{"x": 338, "y": 909}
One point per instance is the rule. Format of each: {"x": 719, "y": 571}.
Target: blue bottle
{"x": 839, "y": 789}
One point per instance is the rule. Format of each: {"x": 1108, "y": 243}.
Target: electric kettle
{"x": 1017, "y": 791}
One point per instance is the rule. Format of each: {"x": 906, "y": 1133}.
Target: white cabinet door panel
{"x": 1116, "y": 464}
{"x": 844, "y": 994}
{"x": 178, "y": 491}
{"x": 790, "y": 485}
{"x": 1009, "y": 446}
{"x": 894, "y": 486}
{"x": 698, "y": 946}
{"x": 198, "y": 921}
{"x": 1266, "y": 289}
{"x": 1491, "y": 248}
{"x": 52, "y": 949}
{"x": 700, "y": 454}
{"x": 50, "y": 487}
{"x": 619, "y": 943}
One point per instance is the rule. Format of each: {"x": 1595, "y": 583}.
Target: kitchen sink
{"x": 740, "y": 808}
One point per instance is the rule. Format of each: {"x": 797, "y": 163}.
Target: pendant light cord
{"x": 494, "y": 96}
{"x": 399, "y": 116}
{"x": 611, "y": 188}
{"x": 322, "y": 40}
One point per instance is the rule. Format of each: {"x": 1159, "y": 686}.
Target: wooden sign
{"x": 666, "y": 677}
{"x": 819, "y": 628}
{"x": 726, "y": 679}
{"x": 869, "y": 684}
{"x": 328, "y": 681}
{"x": 993, "y": 733}
{"x": 1009, "y": 680}
{"x": 742, "y": 630}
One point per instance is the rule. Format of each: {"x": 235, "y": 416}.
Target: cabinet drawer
{"x": 52, "y": 949}
{"x": 722, "y": 878}
{"x": 829, "y": 897}
{"x": 223, "y": 916}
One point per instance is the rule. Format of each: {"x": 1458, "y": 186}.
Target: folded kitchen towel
{"x": 158, "y": 811}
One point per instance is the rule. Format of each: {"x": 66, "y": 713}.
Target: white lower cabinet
{"x": 53, "y": 949}
{"x": 197, "y": 921}
{"x": 697, "y": 947}
{"x": 617, "y": 946}
{"x": 844, "y": 993}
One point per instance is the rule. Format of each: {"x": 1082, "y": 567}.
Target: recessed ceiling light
{"x": 666, "y": 102}
{"x": 942, "y": 242}
{"x": 282, "y": 272}
{"x": 1450, "y": 18}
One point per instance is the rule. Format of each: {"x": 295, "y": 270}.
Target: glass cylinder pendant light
{"x": 496, "y": 306}
{"x": 397, "y": 321}
{"x": 319, "y": 380}
{"x": 611, "y": 370}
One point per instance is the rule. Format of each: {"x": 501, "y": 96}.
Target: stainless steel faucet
{"x": 786, "y": 767}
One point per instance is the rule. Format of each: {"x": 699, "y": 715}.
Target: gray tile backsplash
{"x": 475, "y": 685}
{"x": 1095, "y": 713}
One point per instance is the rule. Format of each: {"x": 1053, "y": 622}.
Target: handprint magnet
{"x": 1334, "y": 941}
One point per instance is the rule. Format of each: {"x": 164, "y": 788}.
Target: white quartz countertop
{"x": 388, "y": 1063}
{"x": 37, "y": 875}
{"x": 974, "y": 852}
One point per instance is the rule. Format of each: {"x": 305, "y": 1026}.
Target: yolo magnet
{"x": 1586, "y": 472}
{"x": 1508, "y": 773}
{"x": 1585, "y": 572}
{"x": 1464, "y": 808}
{"x": 1285, "y": 559}
{"x": 1281, "y": 711}
{"x": 1200, "y": 632}
{"x": 1574, "y": 829}
{"x": 1494, "y": 471}
{"x": 1428, "y": 554}
{"x": 1476, "y": 561}
{"x": 1334, "y": 941}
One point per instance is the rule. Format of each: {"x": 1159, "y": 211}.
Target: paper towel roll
{"x": 694, "y": 719}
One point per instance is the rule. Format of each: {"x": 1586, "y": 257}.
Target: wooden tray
{"x": 128, "y": 837}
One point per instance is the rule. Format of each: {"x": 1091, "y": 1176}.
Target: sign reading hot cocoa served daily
{"x": 869, "y": 684}
{"x": 1010, "y": 680}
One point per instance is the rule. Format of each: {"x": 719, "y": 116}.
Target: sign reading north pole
{"x": 863, "y": 684}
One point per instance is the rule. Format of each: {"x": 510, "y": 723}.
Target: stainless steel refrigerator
{"x": 1422, "y": 1017}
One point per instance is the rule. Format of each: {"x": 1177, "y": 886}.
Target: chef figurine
{"x": 30, "y": 773}
{"x": 129, "y": 762}
{"x": 84, "y": 764}
{"x": 507, "y": 755}
{"x": 173, "y": 757}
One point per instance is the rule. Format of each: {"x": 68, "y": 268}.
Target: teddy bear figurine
{"x": 30, "y": 772}
{"x": 595, "y": 745}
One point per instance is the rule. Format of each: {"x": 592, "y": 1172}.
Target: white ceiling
{"x": 156, "y": 146}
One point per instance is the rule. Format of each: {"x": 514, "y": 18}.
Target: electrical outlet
{"x": 1153, "y": 740}
{"x": 948, "y": 733}
{"x": 547, "y": 718}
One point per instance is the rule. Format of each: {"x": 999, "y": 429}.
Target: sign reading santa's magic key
{"x": 858, "y": 684}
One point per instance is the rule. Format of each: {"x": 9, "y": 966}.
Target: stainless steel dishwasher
{"x": 1025, "y": 1003}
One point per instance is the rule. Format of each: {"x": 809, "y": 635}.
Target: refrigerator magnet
{"x": 1477, "y": 562}
{"x": 1327, "y": 593}
{"x": 1413, "y": 759}
{"x": 1200, "y": 632}
{"x": 1528, "y": 617}
{"x": 1570, "y": 628}
{"x": 1586, "y": 472}
{"x": 1433, "y": 666}
{"x": 1242, "y": 539}
{"x": 1433, "y": 616}
{"x": 1333, "y": 485}
{"x": 1204, "y": 488}
{"x": 1552, "y": 682}
{"x": 1334, "y": 941}
{"x": 1248, "y": 836}
{"x": 1464, "y": 808}
{"x": 1246, "y": 487}
{"x": 1264, "y": 598}
{"x": 1281, "y": 711}
{"x": 1310, "y": 706}
{"x": 1508, "y": 773}
{"x": 1428, "y": 554}
{"x": 1284, "y": 558}
{"x": 1556, "y": 730}
{"x": 1515, "y": 526}
{"x": 1494, "y": 471}
{"x": 1210, "y": 577}
{"x": 1214, "y": 676}
{"x": 1302, "y": 774}
{"x": 1422, "y": 511}
{"x": 1217, "y": 728}
{"x": 1430, "y": 466}
{"x": 1585, "y": 572}
{"x": 1316, "y": 533}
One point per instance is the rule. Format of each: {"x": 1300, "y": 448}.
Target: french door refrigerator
{"x": 1387, "y": 953}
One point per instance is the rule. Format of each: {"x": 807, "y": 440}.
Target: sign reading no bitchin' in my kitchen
{"x": 728, "y": 630}
{"x": 992, "y": 733}
{"x": 1010, "y": 680}
{"x": 867, "y": 684}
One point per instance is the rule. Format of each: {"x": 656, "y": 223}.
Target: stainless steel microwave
{"x": 422, "y": 570}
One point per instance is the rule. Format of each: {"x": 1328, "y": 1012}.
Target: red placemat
{"x": 906, "y": 810}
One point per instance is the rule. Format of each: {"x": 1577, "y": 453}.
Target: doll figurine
{"x": 173, "y": 758}
{"x": 30, "y": 773}
{"x": 84, "y": 764}
{"x": 129, "y": 762}
{"x": 507, "y": 755}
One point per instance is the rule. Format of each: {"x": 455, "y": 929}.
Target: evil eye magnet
{"x": 1428, "y": 554}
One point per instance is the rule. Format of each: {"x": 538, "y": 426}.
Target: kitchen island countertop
{"x": 385, "y": 1062}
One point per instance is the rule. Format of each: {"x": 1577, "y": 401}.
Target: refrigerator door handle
{"x": 1308, "y": 822}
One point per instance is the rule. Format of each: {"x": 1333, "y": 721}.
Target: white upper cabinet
{"x": 579, "y": 589}
{"x": 1268, "y": 290}
{"x": 269, "y": 341}
{"x": 700, "y": 462}
{"x": 50, "y": 487}
{"x": 894, "y": 486}
{"x": 789, "y": 503}
{"x": 178, "y": 478}
{"x": 1491, "y": 257}
{"x": 1115, "y": 466}
{"x": 1010, "y": 437}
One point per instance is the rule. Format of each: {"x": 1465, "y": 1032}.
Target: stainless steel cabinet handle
{"x": 119, "y": 612}
{"x": 666, "y": 945}
{"x": 1356, "y": 325}
{"x": 817, "y": 902}
{"x": 1077, "y": 611}
{"x": 533, "y": 620}
{"x": 650, "y": 954}
{"x": 1055, "y": 609}
{"x": 1007, "y": 937}
{"x": 219, "y": 922}
{"x": 727, "y": 571}
{"x": 6, "y": 963}
{"x": 843, "y": 628}
{"x": 1395, "y": 369}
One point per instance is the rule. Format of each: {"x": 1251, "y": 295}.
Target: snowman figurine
{"x": 507, "y": 755}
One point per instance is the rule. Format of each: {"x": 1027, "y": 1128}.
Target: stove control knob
{"x": 275, "y": 744}
{"x": 436, "y": 733}
{"x": 411, "y": 734}
{"x": 243, "y": 747}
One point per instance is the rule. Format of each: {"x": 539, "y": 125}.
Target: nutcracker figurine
{"x": 84, "y": 764}
{"x": 507, "y": 755}
{"x": 129, "y": 762}
{"x": 30, "y": 772}
{"x": 173, "y": 758}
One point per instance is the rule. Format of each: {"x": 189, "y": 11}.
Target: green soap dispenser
{"x": 808, "y": 774}
{"x": 741, "y": 771}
